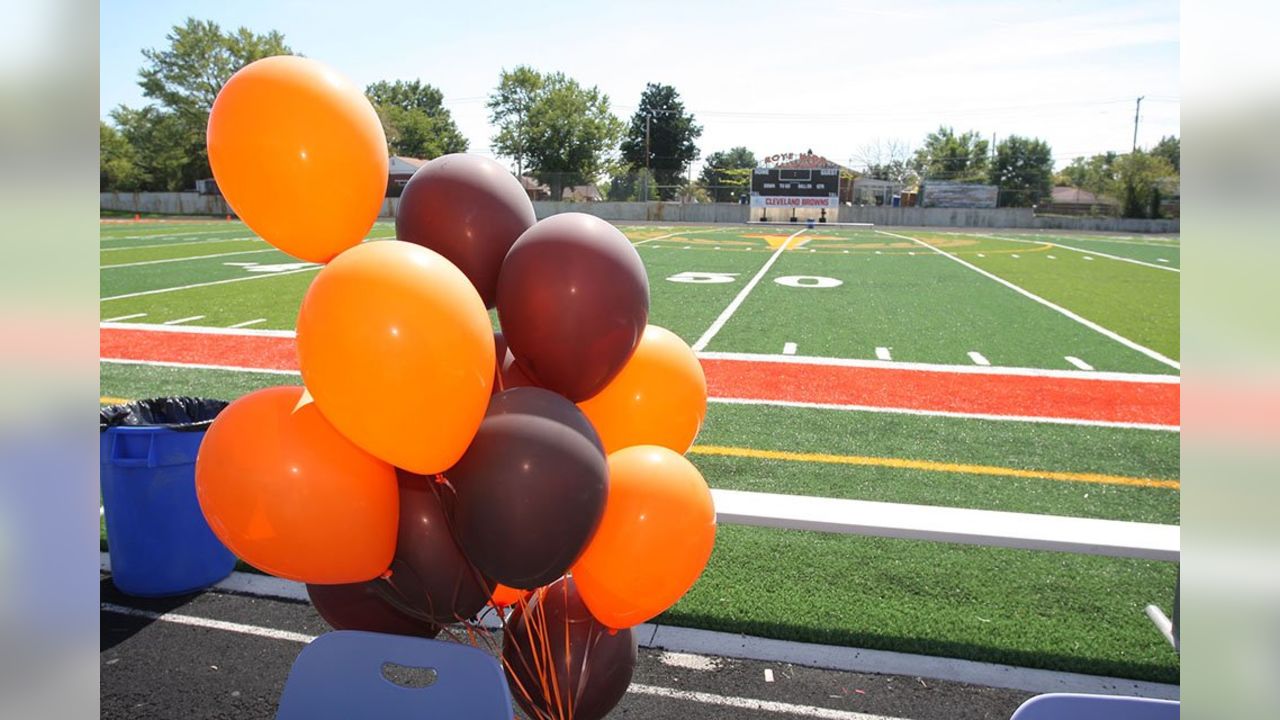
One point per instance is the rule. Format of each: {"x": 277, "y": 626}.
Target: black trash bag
{"x": 184, "y": 414}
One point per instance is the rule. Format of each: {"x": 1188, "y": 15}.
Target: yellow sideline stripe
{"x": 107, "y": 400}
{"x": 934, "y": 466}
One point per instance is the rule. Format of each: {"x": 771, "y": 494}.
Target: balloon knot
{"x": 441, "y": 479}
{"x": 386, "y": 574}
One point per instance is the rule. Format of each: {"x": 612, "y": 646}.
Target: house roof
{"x": 809, "y": 161}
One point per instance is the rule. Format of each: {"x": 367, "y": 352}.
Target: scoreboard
{"x": 795, "y": 187}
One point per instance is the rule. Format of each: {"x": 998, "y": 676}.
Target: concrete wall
{"x": 188, "y": 203}
{"x": 165, "y": 203}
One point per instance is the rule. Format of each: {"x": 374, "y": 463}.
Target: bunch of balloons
{"x": 431, "y": 467}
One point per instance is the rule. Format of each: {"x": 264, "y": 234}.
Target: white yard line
{"x": 247, "y": 323}
{"x": 194, "y": 621}
{"x": 147, "y": 327}
{"x": 979, "y": 359}
{"x": 183, "y": 259}
{"x": 1085, "y": 252}
{"x": 209, "y": 241}
{"x": 661, "y": 237}
{"x": 207, "y": 284}
{"x": 882, "y": 353}
{"x": 124, "y": 317}
{"x": 1057, "y": 308}
{"x": 169, "y": 235}
{"x": 789, "y": 348}
{"x": 179, "y": 321}
{"x": 741, "y": 296}
{"x": 1078, "y": 362}
{"x": 944, "y": 413}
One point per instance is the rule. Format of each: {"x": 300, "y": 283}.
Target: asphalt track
{"x": 153, "y": 668}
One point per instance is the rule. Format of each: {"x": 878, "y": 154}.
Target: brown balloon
{"x": 507, "y": 374}
{"x": 360, "y": 606}
{"x": 469, "y": 209}
{"x": 531, "y": 488}
{"x": 573, "y": 300}
{"x": 555, "y": 634}
{"x": 430, "y": 577}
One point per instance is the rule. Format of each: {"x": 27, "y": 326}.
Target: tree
{"x": 1023, "y": 170}
{"x": 416, "y": 122}
{"x": 117, "y": 161}
{"x": 1137, "y": 180}
{"x": 562, "y": 130}
{"x": 509, "y": 108}
{"x": 948, "y": 156}
{"x": 727, "y": 174}
{"x": 1170, "y": 148}
{"x": 661, "y": 137}
{"x": 888, "y": 160}
{"x": 183, "y": 80}
{"x": 1095, "y": 175}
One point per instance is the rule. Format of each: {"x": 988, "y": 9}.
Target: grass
{"x": 1056, "y": 611}
{"x": 1139, "y": 303}
{"x": 1035, "y": 609}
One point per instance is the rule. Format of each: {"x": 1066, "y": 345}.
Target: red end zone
{"x": 1063, "y": 398}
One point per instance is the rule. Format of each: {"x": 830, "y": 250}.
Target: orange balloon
{"x": 659, "y": 398}
{"x": 503, "y": 596}
{"x": 288, "y": 494}
{"x": 299, "y": 154}
{"x": 396, "y": 347}
{"x": 655, "y": 538}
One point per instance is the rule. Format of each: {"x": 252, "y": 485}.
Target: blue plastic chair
{"x": 1072, "y": 706}
{"x": 340, "y": 675}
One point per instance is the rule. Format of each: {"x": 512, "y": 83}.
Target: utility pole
{"x": 648, "y": 116}
{"x": 1136, "y": 110}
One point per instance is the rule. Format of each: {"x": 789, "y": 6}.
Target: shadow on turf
{"x": 116, "y": 628}
{"x": 1151, "y": 672}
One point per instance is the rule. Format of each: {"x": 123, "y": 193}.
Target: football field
{"x": 1003, "y": 370}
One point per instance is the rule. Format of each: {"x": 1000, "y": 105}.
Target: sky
{"x": 836, "y": 77}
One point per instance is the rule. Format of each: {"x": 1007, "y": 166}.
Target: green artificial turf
{"x": 1139, "y": 303}
{"x": 922, "y": 307}
{"x": 1157, "y": 250}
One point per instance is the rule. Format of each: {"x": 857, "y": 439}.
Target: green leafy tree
{"x": 416, "y": 122}
{"x": 182, "y": 81}
{"x": 554, "y": 127}
{"x": 509, "y": 107}
{"x": 727, "y": 174}
{"x": 1096, "y": 174}
{"x": 948, "y": 156}
{"x": 1023, "y": 170}
{"x": 662, "y": 137}
{"x": 117, "y": 161}
{"x": 1170, "y": 148}
{"x": 1137, "y": 179}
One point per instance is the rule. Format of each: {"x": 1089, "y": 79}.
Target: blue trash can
{"x": 159, "y": 541}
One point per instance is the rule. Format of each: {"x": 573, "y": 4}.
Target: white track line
{"x": 943, "y": 413}
{"x": 179, "y": 321}
{"x": 749, "y": 704}
{"x": 1058, "y": 308}
{"x": 183, "y": 259}
{"x": 247, "y": 323}
{"x": 194, "y": 621}
{"x": 1085, "y": 252}
{"x": 979, "y": 359}
{"x": 207, "y": 284}
{"x": 929, "y": 367}
{"x": 146, "y": 327}
{"x": 789, "y": 348}
{"x": 124, "y": 317}
{"x": 687, "y": 695}
{"x": 1078, "y": 362}
{"x": 199, "y": 366}
{"x": 741, "y": 296}
{"x": 829, "y": 657}
{"x": 882, "y": 353}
